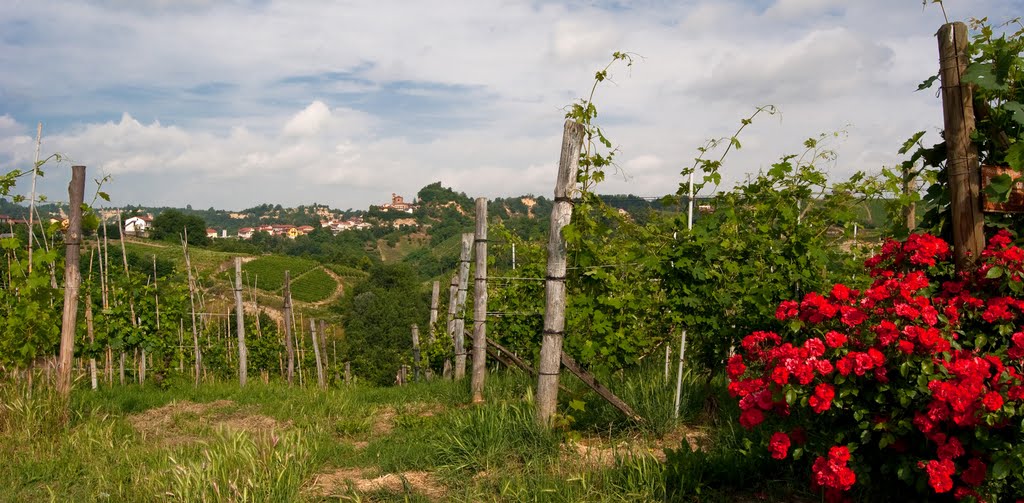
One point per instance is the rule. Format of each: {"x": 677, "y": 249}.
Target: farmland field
{"x": 313, "y": 286}
{"x": 270, "y": 270}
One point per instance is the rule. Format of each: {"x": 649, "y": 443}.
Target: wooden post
{"x": 435, "y": 294}
{"x": 348, "y": 373}
{"x": 287, "y": 326}
{"x": 316, "y": 353}
{"x": 323, "y": 352}
{"x": 554, "y": 285}
{"x": 416, "y": 350}
{"x": 453, "y": 292}
{"x": 92, "y": 338}
{"x": 243, "y": 354}
{"x": 480, "y": 303}
{"x": 599, "y": 388}
{"x": 962, "y": 156}
{"x": 72, "y": 280}
{"x": 192, "y": 303}
{"x": 460, "y": 307}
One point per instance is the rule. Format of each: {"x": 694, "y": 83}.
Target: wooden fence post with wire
{"x": 962, "y": 168}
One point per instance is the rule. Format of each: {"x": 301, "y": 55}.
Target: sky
{"x": 231, "y": 104}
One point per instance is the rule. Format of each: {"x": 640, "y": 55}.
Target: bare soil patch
{"x": 177, "y": 422}
{"x": 383, "y": 421}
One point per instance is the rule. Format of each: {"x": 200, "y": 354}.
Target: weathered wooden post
{"x": 480, "y": 303}
{"x": 192, "y": 302}
{"x": 243, "y": 354}
{"x": 554, "y": 285}
{"x": 435, "y": 294}
{"x": 348, "y": 372}
{"x": 962, "y": 156}
{"x": 323, "y": 352}
{"x": 453, "y": 292}
{"x": 316, "y": 354}
{"x": 416, "y": 350}
{"x": 72, "y": 279}
{"x": 460, "y": 307}
{"x": 288, "y": 326}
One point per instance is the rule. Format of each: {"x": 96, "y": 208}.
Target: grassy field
{"x": 415, "y": 443}
{"x": 205, "y": 261}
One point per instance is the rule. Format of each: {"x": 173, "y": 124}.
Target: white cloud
{"x": 345, "y": 104}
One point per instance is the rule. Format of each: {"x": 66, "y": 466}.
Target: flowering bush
{"x": 917, "y": 378}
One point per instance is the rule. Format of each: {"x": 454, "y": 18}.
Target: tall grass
{"x": 239, "y": 467}
{"x": 484, "y": 438}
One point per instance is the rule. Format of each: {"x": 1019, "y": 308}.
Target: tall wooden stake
{"x": 323, "y": 351}
{"x": 416, "y": 351}
{"x": 72, "y": 279}
{"x": 192, "y": 302}
{"x": 554, "y": 285}
{"x": 460, "y": 307}
{"x": 962, "y": 156}
{"x": 435, "y": 294}
{"x": 288, "y": 326}
{"x": 316, "y": 353}
{"x": 480, "y": 303}
{"x": 453, "y": 295}
{"x": 243, "y": 354}
{"x": 32, "y": 197}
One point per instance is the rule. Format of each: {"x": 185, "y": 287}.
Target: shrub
{"x": 913, "y": 385}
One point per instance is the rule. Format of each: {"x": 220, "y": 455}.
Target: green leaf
{"x": 998, "y": 189}
{"x": 104, "y": 196}
{"x": 1001, "y": 469}
{"x": 994, "y": 272}
{"x": 1015, "y": 156}
{"x": 579, "y": 405}
{"x": 983, "y": 75}
{"x": 1016, "y": 111}
{"x": 927, "y": 83}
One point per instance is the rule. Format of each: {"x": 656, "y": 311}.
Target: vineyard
{"x": 793, "y": 337}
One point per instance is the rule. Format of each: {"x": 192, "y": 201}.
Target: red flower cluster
{"x": 832, "y": 472}
{"x": 779, "y": 445}
{"x": 911, "y": 321}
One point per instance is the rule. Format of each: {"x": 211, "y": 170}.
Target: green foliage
{"x": 378, "y": 315}
{"x": 171, "y": 226}
{"x": 781, "y": 233}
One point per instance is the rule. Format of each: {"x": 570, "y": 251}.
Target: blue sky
{"x": 232, "y": 104}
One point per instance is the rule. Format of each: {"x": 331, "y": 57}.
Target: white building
{"x": 138, "y": 225}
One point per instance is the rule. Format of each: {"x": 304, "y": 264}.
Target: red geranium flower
{"x": 779, "y": 445}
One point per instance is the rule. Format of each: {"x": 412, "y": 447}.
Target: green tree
{"x": 377, "y": 318}
{"x": 171, "y": 224}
